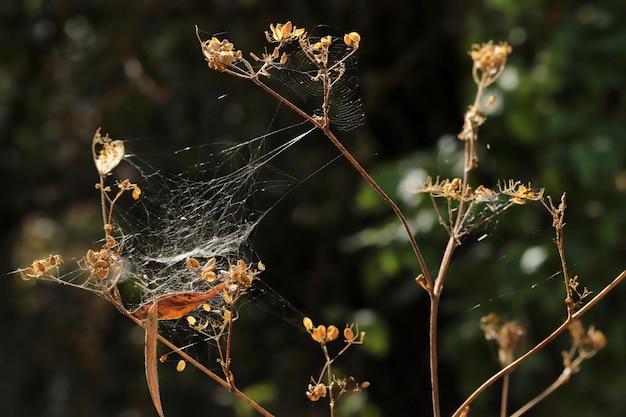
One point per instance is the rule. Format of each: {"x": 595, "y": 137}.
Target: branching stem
{"x": 508, "y": 369}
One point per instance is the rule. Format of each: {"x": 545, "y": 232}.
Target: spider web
{"x": 295, "y": 80}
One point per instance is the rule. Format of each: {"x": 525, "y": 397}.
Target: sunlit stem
{"x": 329, "y": 380}
{"x": 326, "y": 129}
{"x": 505, "y": 395}
{"x": 457, "y": 231}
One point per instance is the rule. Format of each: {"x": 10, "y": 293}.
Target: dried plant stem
{"x": 329, "y": 376}
{"x": 456, "y": 232}
{"x": 505, "y": 395}
{"x": 322, "y": 124}
{"x": 175, "y": 349}
{"x": 562, "y": 379}
{"x": 508, "y": 369}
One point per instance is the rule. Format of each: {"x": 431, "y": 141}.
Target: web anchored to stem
{"x": 465, "y": 208}
{"x": 186, "y": 262}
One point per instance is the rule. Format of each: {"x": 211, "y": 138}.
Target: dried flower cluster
{"x": 41, "y": 268}
{"x": 333, "y": 387}
{"x": 220, "y": 54}
{"x": 489, "y": 59}
{"x": 509, "y": 336}
{"x": 585, "y": 344}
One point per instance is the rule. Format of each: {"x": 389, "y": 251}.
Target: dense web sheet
{"x": 204, "y": 212}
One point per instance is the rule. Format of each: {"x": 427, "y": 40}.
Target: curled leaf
{"x": 175, "y": 306}
{"x": 107, "y": 153}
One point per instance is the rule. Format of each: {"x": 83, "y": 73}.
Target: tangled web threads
{"x": 206, "y": 212}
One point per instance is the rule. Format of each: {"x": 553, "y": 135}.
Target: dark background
{"x": 135, "y": 68}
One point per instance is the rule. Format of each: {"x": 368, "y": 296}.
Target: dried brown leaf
{"x": 175, "y": 306}
{"x": 152, "y": 376}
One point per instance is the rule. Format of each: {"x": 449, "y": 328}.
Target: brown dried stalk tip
{"x": 41, "y": 267}
{"x": 520, "y": 193}
{"x": 316, "y": 391}
{"x": 126, "y": 185}
{"x": 490, "y": 59}
{"x": 240, "y": 275}
{"x": 509, "y": 335}
{"x": 588, "y": 342}
{"x": 219, "y": 54}
{"x": 283, "y": 33}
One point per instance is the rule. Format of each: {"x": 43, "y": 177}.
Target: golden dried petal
{"x": 180, "y": 366}
{"x": 192, "y": 263}
{"x": 308, "y": 323}
{"x": 209, "y": 276}
{"x": 136, "y": 192}
{"x": 348, "y": 334}
{"x": 191, "y": 320}
{"x": 332, "y": 332}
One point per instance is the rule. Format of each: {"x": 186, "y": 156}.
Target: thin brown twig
{"x": 509, "y": 368}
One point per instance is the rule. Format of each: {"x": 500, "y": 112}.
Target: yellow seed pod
{"x": 320, "y": 390}
{"x": 319, "y": 334}
{"x": 206, "y": 307}
{"x": 39, "y": 266}
{"x": 180, "y": 366}
{"x": 192, "y": 263}
{"x": 332, "y": 332}
{"x": 352, "y": 39}
{"x": 136, "y": 192}
{"x": 191, "y": 320}
{"x": 210, "y": 264}
{"x": 209, "y": 276}
{"x": 348, "y": 334}
{"x": 308, "y": 323}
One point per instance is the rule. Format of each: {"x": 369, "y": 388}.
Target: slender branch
{"x": 243, "y": 397}
{"x": 508, "y": 369}
{"x": 326, "y": 130}
{"x": 562, "y": 379}
{"x": 505, "y": 395}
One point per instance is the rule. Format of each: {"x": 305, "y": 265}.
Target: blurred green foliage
{"x": 332, "y": 249}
